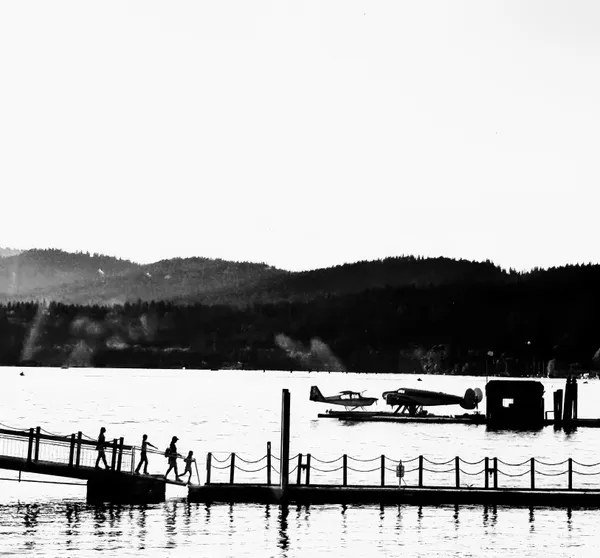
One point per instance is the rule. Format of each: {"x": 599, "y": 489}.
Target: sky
{"x": 302, "y": 134}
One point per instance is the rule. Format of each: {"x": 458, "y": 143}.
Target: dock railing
{"x": 419, "y": 471}
{"x": 77, "y": 450}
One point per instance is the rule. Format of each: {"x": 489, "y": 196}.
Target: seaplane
{"x": 349, "y": 399}
{"x": 410, "y": 401}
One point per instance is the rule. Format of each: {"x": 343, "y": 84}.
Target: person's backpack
{"x": 167, "y": 452}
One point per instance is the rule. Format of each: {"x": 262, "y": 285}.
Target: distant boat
{"x": 346, "y": 398}
{"x": 22, "y": 373}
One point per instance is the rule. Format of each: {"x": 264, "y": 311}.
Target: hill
{"x": 82, "y": 278}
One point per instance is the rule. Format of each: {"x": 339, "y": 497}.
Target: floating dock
{"x": 328, "y": 494}
{"x": 382, "y": 416}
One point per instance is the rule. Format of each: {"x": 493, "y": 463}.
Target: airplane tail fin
{"x": 472, "y": 398}
{"x": 315, "y": 394}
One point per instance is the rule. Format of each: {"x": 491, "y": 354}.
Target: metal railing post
{"x": 232, "y": 469}
{"x": 570, "y": 474}
{"x": 495, "y": 472}
{"x": 307, "y": 469}
{"x": 486, "y": 473}
{"x": 30, "y": 446}
{"x": 345, "y": 470}
{"x": 268, "y": 462}
{"x": 457, "y": 471}
{"x": 120, "y": 454}
{"x": 113, "y": 462}
{"x": 208, "y": 463}
{"x": 383, "y": 470}
{"x": 420, "y": 471}
{"x": 72, "y": 450}
{"x": 36, "y": 452}
{"x": 299, "y": 469}
{"x": 78, "y": 449}
{"x": 532, "y": 472}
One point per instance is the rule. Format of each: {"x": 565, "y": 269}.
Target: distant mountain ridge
{"x": 87, "y": 279}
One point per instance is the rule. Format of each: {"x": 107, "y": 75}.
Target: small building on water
{"x": 514, "y": 404}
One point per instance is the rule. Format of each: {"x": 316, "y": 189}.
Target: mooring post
{"x": 36, "y": 453}
{"x": 78, "y": 449}
{"x": 208, "y": 460}
{"x": 284, "y": 464}
{"x": 30, "y": 446}
{"x": 232, "y": 468}
{"x": 113, "y": 462}
{"x": 486, "y": 473}
{"x": 72, "y": 450}
{"x": 558, "y": 408}
{"x": 268, "y": 462}
{"x": 574, "y": 397}
{"x": 532, "y": 472}
{"x": 570, "y": 473}
{"x": 383, "y": 470}
{"x": 495, "y": 472}
{"x": 568, "y": 407}
{"x": 307, "y": 469}
{"x": 344, "y": 470}
{"x": 420, "y": 471}
{"x": 120, "y": 456}
{"x": 457, "y": 471}
{"x": 299, "y": 470}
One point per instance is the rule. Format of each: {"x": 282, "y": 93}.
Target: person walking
{"x": 100, "y": 448}
{"x": 144, "y": 455}
{"x": 172, "y": 456}
{"x": 188, "y": 466}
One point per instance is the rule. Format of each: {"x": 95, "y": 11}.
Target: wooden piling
{"x": 574, "y": 397}
{"x": 307, "y": 478}
{"x": 495, "y": 472}
{"x": 420, "y": 470}
{"x": 383, "y": 470}
{"x": 486, "y": 473}
{"x": 570, "y": 473}
{"x": 558, "y": 408}
{"x": 532, "y": 472}
{"x": 344, "y": 470}
{"x": 285, "y": 441}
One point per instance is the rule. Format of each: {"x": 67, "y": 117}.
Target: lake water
{"x": 239, "y": 411}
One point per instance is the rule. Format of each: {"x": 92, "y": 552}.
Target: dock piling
{"x": 36, "y": 451}
{"x": 532, "y": 472}
{"x": 570, "y": 473}
{"x": 495, "y": 472}
{"x": 285, "y": 441}
{"x": 113, "y": 462}
{"x": 344, "y": 470}
{"x": 78, "y": 449}
{"x": 420, "y": 471}
{"x": 268, "y": 462}
{"x": 382, "y": 470}
{"x": 486, "y": 473}
{"x": 72, "y": 450}
{"x": 307, "y": 469}
{"x": 30, "y": 446}
{"x": 120, "y": 454}
{"x": 299, "y": 470}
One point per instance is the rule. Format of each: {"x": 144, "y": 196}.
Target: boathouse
{"x": 514, "y": 404}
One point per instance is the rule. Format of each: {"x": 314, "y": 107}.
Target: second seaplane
{"x": 411, "y": 401}
{"x": 349, "y": 399}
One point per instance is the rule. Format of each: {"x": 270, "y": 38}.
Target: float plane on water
{"x": 411, "y": 401}
{"x": 347, "y": 398}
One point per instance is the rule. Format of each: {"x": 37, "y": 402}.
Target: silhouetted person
{"x": 188, "y": 466}
{"x": 172, "y": 455}
{"x": 100, "y": 445}
{"x": 144, "y": 456}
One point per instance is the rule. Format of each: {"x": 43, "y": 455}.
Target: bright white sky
{"x": 302, "y": 134}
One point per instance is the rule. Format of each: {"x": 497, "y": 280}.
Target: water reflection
{"x": 490, "y": 516}
{"x": 30, "y": 519}
{"x": 284, "y": 541}
{"x": 72, "y": 514}
{"x": 170, "y": 514}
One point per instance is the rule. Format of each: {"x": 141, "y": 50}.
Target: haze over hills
{"x": 81, "y": 278}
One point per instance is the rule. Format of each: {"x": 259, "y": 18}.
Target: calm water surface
{"x": 239, "y": 411}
